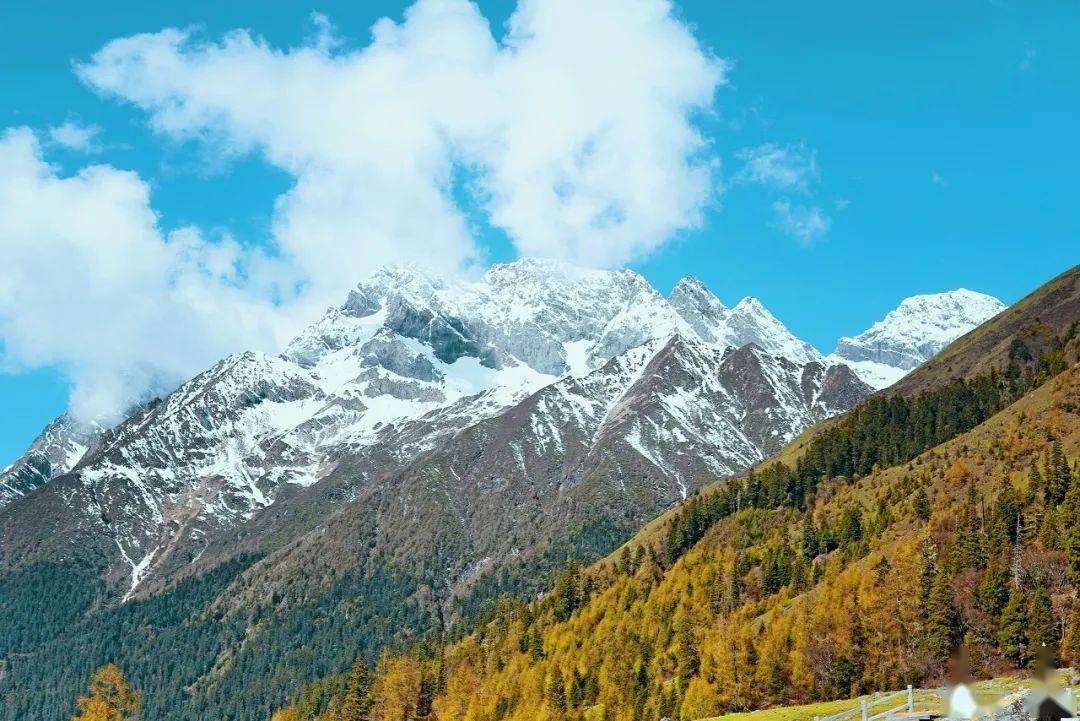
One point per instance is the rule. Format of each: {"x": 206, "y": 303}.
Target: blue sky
{"x": 937, "y": 141}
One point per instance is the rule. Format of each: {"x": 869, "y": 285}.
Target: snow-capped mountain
{"x": 748, "y": 322}
{"x": 56, "y": 450}
{"x": 490, "y": 416}
{"x": 914, "y": 332}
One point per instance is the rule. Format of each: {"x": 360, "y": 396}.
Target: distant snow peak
{"x": 751, "y": 322}
{"x": 913, "y": 332}
{"x": 700, "y": 309}
{"x": 58, "y": 449}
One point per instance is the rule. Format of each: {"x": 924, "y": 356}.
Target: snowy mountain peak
{"x": 751, "y": 322}
{"x": 699, "y": 308}
{"x": 58, "y": 449}
{"x": 690, "y": 289}
{"x": 917, "y": 329}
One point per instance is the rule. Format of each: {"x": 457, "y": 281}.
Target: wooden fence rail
{"x": 869, "y": 703}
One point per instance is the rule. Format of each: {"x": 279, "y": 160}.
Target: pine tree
{"x": 1018, "y": 547}
{"x": 811, "y": 539}
{"x": 577, "y": 689}
{"x": 993, "y": 593}
{"x": 1012, "y": 639}
{"x": 686, "y": 651}
{"x": 109, "y": 697}
{"x": 566, "y": 591}
{"x": 1070, "y": 645}
{"x": 942, "y": 620}
{"x": 1040, "y": 624}
{"x": 1003, "y": 524}
{"x": 927, "y": 572}
{"x": 556, "y": 690}
{"x": 1057, "y": 475}
{"x": 1035, "y": 481}
{"x": 358, "y": 699}
{"x": 850, "y": 526}
{"x": 920, "y": 505}
{"x": 536, "y": 645}
{"x": 970, "y": 546}
{"x": 1050, "y": 532}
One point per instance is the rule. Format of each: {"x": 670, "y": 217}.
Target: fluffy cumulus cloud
{"x": 90, "y": 283}
{"x": 575, "y": 133}
{"x": 800, "y": 221}
{"x": 789, "y": 167}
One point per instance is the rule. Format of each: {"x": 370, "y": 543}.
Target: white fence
{"x": 868, "y": 708}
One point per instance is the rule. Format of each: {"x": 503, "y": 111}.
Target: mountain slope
{"x": 1034, "y": 321}
{"x": 749, "y": 595}
{"x": 748, "y": 618}
{"x": 418, "y": 449}
{"x": 593, "y": 457}
{"x": 407, "y": 363}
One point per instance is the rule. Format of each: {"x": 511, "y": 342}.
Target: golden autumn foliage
{"x": 396, "y": 690}
{"x": 866, "y": 589}
{"x": 109, "y": 697}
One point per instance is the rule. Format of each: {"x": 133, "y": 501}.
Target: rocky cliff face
{"x": 424, "y": 418}
{"x": 59, "y": 447}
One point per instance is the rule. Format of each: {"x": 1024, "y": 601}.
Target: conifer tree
{"x": 1035, "y": 481}
{"x": 920, "y": 505}
{"x": 970, "y": 547}
{"x": 356, "y": 704}
{"x": 686, "y": 652}
{"x": 536, "y": 645}
{"x": 1057, "y": 474}
{"x": 1070, "y": 645}
{"x": 577, "y": 689}
{"x": 811, "y": 539}
{"x": 993, "y": 593}
{"x": 566, "y": 591}
{"x": 1003, "y": 525}
{"x": 556, "y": 690}
{"x": 1040, "y": 625}
{"x": 1070, "y": 535}
{"x": 942, "y": 620}
{"x": 927, "y": 572}
{"x": 109, "y": 697}
{"x": 1012, "y": 637}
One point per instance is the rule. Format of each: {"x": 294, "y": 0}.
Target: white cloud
{"x": 937, "y": 179}
{"x": 800, "y": 221}
{"x": 575, "y": 130}
{"x": 790, "y": 167}
{"x": 89, "y": 282}
{"x": 75, "y": 136}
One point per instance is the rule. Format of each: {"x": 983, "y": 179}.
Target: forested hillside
{"x": 913, "y": 524}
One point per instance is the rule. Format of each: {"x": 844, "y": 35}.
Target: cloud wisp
{"x": 77, "y": 137}
{"x": 786, "y": 169}
{"x": 782, "y": 167}
{"x": 802, "y": 222}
